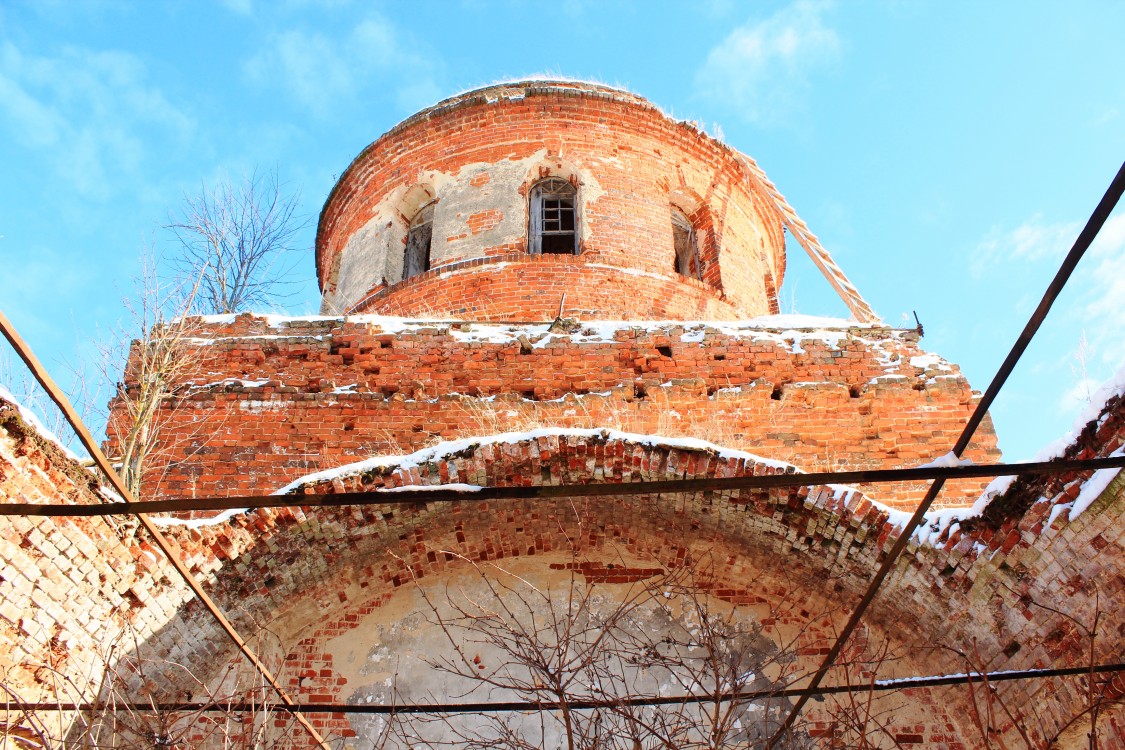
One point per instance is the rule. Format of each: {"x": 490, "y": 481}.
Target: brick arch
{"x": 696, "y": 209}
{"x": 793, "y": 523}
{"x": 264, "y": 558}
{"x": 316, "y": 576}
{"x": 980, "y": 587}
{"x": 567, "y": 456}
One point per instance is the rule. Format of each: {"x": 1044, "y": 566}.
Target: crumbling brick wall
{"x": 959, "y": 601}
{"x": 75, "y": 593}
{"x": 271, "y": 401}
{"x": 1012, "y": 594}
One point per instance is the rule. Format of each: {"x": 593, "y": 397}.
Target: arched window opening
{"x": 687, "y": 247}
{"x": 418, "y": 238}
{"x": 554, "y": 223}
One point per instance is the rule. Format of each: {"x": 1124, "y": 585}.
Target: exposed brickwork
{"x": 268, "y": 403}
{"x": 482, "y": 221}
{"x": 533, "y": 287}
{"x": 976, "y": 594}
{"x": 478, "y": 155}
{"x": 974, "y": 591}
{"x": 70, "y": 588}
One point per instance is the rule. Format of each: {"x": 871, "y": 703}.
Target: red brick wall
{"x": 532, "y": 287}
{"x": 629, "y": 160}
{"x": 72, "y": 590}
{"x": 1009, "y": 592}
{"x": 270, "y": 403}
{"x": 972, "y": 600}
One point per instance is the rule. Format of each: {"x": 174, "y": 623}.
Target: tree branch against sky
{"x": 238, "y": 241}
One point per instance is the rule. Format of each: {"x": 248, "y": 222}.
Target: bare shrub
{"x": 155, "y": 362}
{"x": 607, "y": 664}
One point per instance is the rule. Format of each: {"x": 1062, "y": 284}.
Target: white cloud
{"x": 85, "y": 110}
{"x": 247, "y": 7}
{"x": 1106, "y": 116}
{"x": 315, "y": 73}
{"x": 1099, "y": 281}
{"x": 241, "y": 7}
{"x": 1090, "y": 326}
{"x": 1033, "y": 240}
{"x": 761, "y": 69}
{"x": 1111, "y": 238}
{"x": 321, "y": 72}
{"x": 1103, "y": 283}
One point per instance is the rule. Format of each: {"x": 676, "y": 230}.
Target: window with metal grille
{"x": 553, "y": 221}
{"x": 418, "y": 237}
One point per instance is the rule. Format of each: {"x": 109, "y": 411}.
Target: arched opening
{"x": 553, "y": 217}
{"x": 695, "y": 238}
{"x": 686, "y": 243}
{"x": 418, "y": 240}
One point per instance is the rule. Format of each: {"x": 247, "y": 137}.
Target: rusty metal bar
{"x": 91, "y": 446}
{"x": 1081, "y": 244}
{"x": 436, "y": 494}
{"x": 906, "y": 683}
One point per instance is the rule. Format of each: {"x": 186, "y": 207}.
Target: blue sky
{"x": 945, "y": 153}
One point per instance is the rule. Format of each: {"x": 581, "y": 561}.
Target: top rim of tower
{"x": 501, "y": 91}
{"x": 517, "y": 88}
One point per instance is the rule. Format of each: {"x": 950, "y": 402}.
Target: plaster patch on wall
{"x": 364, "y": 262}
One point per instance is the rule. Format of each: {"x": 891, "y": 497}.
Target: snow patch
{"x": 219, "y": 319}
{"x": 252, "y": 337}
{"x": 197, "y": 523}
{"x": 630, "y": 271}
{"x": 1095, "y": 486}
{"x": 31, "y": 419}
{"x": 948, "y": 461}
{"x": 929, "y": 361}
{"x": 277, "y": 321}
{"x": 993, "y": 489}
{"x": 1112, "y": 387}
{"x": 449, "y": 448}
{"x": 452, "y": 487}
{"x": 193, "y": 387}
{"x": 1058, "y": 511}
{"x": 787, "y": 331}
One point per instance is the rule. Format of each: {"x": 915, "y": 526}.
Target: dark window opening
{"x": 418, "y": 239}
{"x": 554, "y": 224}
{"x": 687, "y": 248}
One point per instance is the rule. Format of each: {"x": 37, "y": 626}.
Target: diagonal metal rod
{"x": 91, "y": 446}
{"x": 580, "y": 704}
{"x": 1085, "y": 238}
{"x": 438, "y": 494}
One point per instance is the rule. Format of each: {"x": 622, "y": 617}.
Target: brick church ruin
{"x": 544, "y": 285}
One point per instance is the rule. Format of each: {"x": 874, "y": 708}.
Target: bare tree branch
{"x": 155, "y": 362}
{"x": 233, "y": 238}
